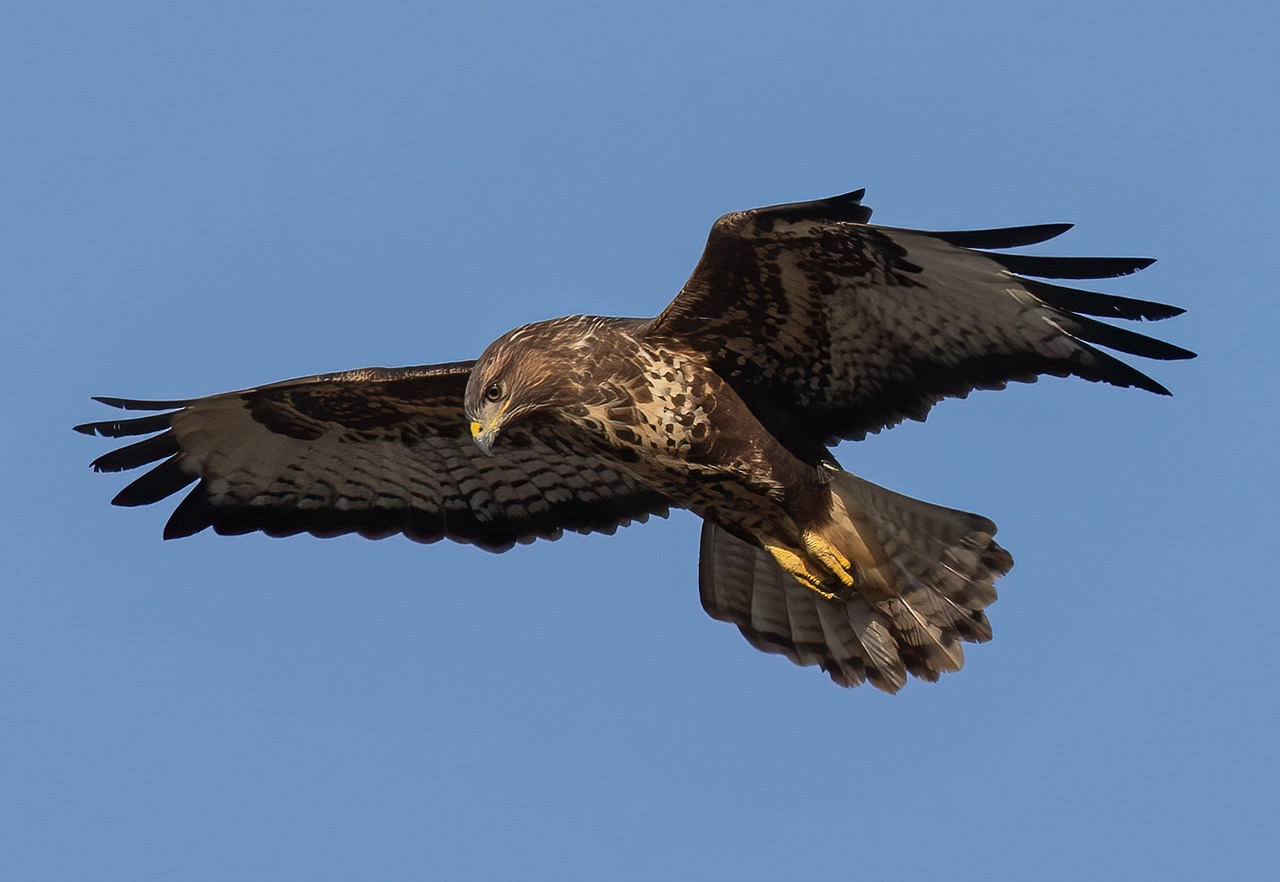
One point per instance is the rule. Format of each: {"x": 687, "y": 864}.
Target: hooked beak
{"x": 482, "y": 437}
{"x": 484, "y": 434}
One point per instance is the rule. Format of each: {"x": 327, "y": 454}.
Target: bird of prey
{"x": 802, "y": 325}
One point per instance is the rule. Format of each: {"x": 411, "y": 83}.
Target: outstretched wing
{"x": 822, "y": 321}
{"x": 375, "y": 452}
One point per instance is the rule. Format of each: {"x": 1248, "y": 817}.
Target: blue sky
{"x": 205, "y": 197}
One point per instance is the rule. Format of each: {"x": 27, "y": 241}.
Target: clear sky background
{"x": 201, "y": 197}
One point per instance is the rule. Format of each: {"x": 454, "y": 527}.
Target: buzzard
{"x": 801, "y": 325}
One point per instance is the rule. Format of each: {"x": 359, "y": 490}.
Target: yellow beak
{"x": 482, "y": 437}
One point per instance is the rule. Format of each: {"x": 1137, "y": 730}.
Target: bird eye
{"x": 494, "y": 391}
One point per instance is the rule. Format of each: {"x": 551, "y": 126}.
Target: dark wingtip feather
{"x": 850, "y": 207}
{"x": 1071, "y": 267}
{"x": 193, "y": 514}
{"x": 137, "y": 404}
{"x": 1109, "y": 369}
{"x": 162, "y": 481}
{"x": 1004, "y": 237}
{"x": 846, "y": 207}
{"x": 1124, "y": 340}
{"x": 1093, "y": 303}
{"x": 125, "y": 428}
{"x": 132, "y": 456}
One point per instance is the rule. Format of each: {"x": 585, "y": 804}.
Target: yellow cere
{"x": 476, "y": 429}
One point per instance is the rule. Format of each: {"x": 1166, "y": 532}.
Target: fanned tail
{"x": 923, "y": 576}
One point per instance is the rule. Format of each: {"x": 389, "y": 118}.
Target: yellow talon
{"x": 794, "y": 564}
{"x": 830, "y": 557}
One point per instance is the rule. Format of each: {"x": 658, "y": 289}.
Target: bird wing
{"x": 824, "y": 321}
{"x": 376, "y": 452}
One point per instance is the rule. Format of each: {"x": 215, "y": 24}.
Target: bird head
{"x": 511, "y": 380}
{"x": 544, "y": 369}
{"x": 491, "y": 396}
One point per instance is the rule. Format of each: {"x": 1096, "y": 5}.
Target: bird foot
{"x": 799, "y": 570}
{"x": 830, "y": 557}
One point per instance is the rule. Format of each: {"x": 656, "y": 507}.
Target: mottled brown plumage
{"x": 801, "y": 325}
